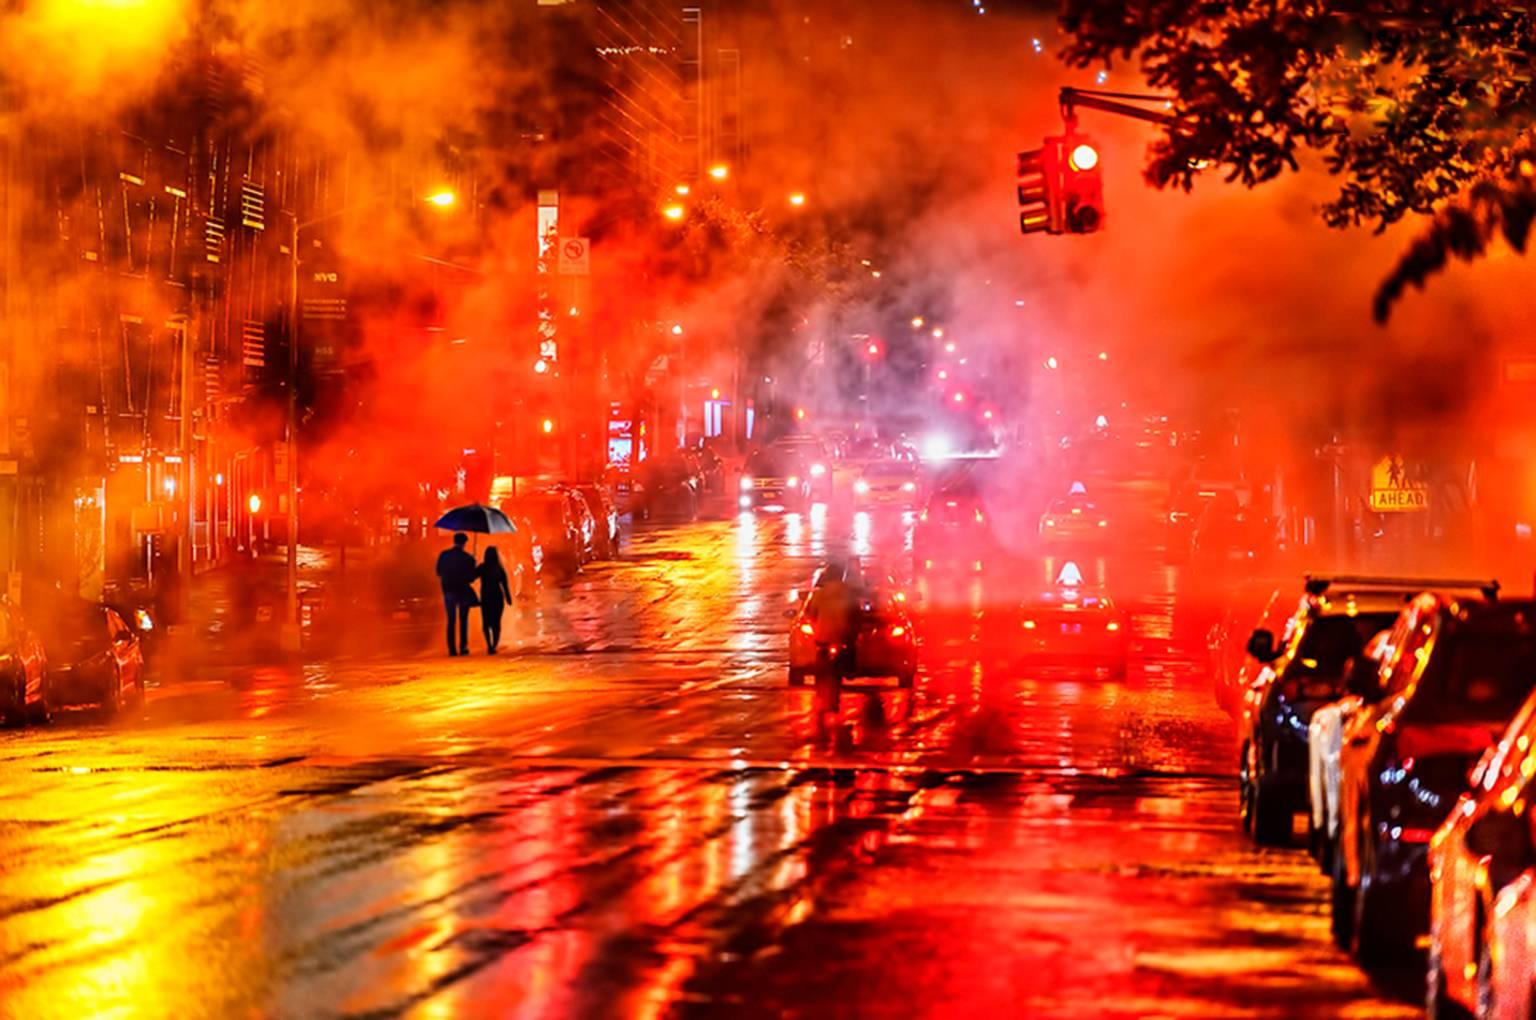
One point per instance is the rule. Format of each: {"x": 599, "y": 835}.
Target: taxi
{"x": 1070, "y": 625}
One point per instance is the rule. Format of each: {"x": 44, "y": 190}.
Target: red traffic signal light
{"x": 1082, "y": 187}
{"x": 1060, "y": 187}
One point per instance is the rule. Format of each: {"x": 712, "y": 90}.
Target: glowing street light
{"x": 797, "y": 198}
{"x": 674, "y": 212}
{"x": 677, "y": 329}
{"x": 541, "y": 366}
{"x": 719, "y": 171}
{"x": 1051, "y": 361}
{"x": 548, "y": 425}
{"x": 949, "y": 348}
{"x": 681, "y": 189}
{"x": 254, "y": 503}
{"x": 917, "y": 322}
{"x": 442, "y": 199}
{"x": 1103, "y": 355}
{"x": 799, "y": 414}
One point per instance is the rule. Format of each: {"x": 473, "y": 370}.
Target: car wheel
{"x": 1341, "y": 905}
{"x": 1376, "y": 939}
{"x": 907, "y": 679}
{"x": 112, "y": 704}
{"x": 796, "y": 677}
{"x": 1272, "y": 814}
{"x": 39, "y": 714}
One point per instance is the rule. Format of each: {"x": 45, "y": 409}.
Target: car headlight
{"x": 861, "y": 486}
{"x": 792, "y": 481}
{"x": 909, "y": 487}
{"x": 143, "y": 620}
{"x": 817, "y": 470}
{"x": 746, "y": 483}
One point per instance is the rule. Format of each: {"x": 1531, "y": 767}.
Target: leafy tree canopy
{"x": 1418, "y": 106}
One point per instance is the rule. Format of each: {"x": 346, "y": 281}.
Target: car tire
{"x": 796, "y": 677}
{"x": 1341, "y": 904}
{"x": 1376, "y": 941}
{"x": 907, "y": 679}
{"x": 1272, "y": 815}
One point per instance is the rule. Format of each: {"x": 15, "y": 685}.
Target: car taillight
{"x": 1111, "y": 625}
{"x": 1426, "y": 740}
{"x": 898, "y": 631}
{"x": 1103, "y": 524}
{"x": 1029, "y": 624}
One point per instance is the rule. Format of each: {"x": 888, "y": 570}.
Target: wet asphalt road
{"x": 628, "y": 814}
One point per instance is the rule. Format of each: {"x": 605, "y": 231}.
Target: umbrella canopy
{"x": 480, "y": 520}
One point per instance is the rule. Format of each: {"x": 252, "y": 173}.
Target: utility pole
{"x": 290, "y": 633}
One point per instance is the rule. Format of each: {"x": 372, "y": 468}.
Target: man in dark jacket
{"x": 456, "y": 573}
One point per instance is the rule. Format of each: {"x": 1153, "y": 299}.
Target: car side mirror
{"x": 1261, "y": 645}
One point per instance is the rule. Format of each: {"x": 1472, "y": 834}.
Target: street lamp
{"x": 674, "y": 212}
{"x": 797, "y": 198}
{"x": 442, "y": 199}
{"x": 719, "y": 171}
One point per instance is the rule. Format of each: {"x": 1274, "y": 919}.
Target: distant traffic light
{"x": 1082, "y": 187}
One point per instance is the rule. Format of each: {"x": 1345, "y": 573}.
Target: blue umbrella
{"x": 477, "y": 519}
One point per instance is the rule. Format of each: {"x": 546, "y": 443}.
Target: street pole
{"x": 290, "y": 635}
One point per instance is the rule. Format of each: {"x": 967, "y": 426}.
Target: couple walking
{"x": 458, "y": 572}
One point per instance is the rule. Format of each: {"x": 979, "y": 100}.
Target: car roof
{"x": 1353, "y": 603}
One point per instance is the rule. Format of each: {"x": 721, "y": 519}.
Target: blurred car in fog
{"x": 816, "y": 459}
{"x": 94, "y": 656}
{"x": 1068, "y": 626}
{"x": 1257, "y": 605}
{"x": 23, "y": 670}
{"x": 1074, "y": 520}
{"x": 605, "y": 517}
{"x": 1228, "y": 535}
{"x": 952, "y": 532}
{"x": 1457, "y": 671}
{"x": 524, "y": 558}
{"x": 564, "y": 526}
{"x": 669, "y": 486}
{"x": 775, "y": 477}
{"x": 708, "y": 467}
{"x": 886, "y": 483}
{"x": 1482, "y": 863}
{"x": 1303, "y": 668}
{"x": 885, "y": 644}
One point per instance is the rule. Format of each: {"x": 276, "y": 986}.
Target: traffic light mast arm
{"x": 1112, "y": 102}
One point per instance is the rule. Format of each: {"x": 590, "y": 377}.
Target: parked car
{"x": 525, "y": 559}
{"x": 94, "y": 656}
{"x": 1325, "y": 739}
{"x": 668, "y": 486}
{"x": 24, "y": 694}
{"x": 1456, "y": 671}
{"x": 563, "y": 524}
{"x": 885, "y": 644}
{"x": 605, "y": 515}
{"x": 1479, "y": 963}
{"x": 1231, "y": 667}
{"x": 1304, "y": 669}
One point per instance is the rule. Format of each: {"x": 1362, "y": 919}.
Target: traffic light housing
{"x": 1082, "y": 186}
{"x": 1061, "y": 188}
{"x": 1040, "y": 189}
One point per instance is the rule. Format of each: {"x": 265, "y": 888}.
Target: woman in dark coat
{"x": 495, "y": 593}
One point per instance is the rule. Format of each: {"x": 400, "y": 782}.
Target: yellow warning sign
{"x": 1392, "y": 492}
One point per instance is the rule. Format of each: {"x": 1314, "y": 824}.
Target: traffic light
{"x": 1061, "y": 190}
{"x": 1040, "y": 188}
{"x": 1082, "y": 186}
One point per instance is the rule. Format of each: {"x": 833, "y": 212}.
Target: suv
{"x": 1454, "y": 673}
{"x": 1301, "y": 672}
{"x": 775, "y": 477}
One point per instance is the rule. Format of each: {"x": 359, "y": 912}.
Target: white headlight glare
{"x": 861, "y": 486}
{"x": 746, "y": 483}
{"x": 817, "y": 470}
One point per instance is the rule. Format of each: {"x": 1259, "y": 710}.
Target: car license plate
{"x": 1071, "y": 628}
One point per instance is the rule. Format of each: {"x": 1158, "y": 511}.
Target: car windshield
{"x": 1331, "y": 641}
{"x": 888, "y": 470}
{"x": 1482, "y": 676}
{"x": 770, "y": 464}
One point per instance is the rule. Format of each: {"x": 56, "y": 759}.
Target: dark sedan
{"x": 94, "y": 657}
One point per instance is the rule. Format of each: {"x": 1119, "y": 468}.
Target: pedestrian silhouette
{"x": 495, "y": 593}
{"x": 456, "y": 573}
